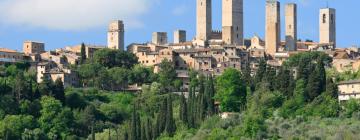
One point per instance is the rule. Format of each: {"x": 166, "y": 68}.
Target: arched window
{"x": 324, "y": 18}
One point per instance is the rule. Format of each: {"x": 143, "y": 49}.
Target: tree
{"x": 46, "y": 86}
{"x": 331, "y": 88}
{"x": 54, "y": 120}
{"x": 12, "y": 126}
{"x": 183, "y": 109}
{"x": 170, "y": 126}
{"x": 115, "y": 58}
{"x": 58, "y": 91}
{"x": 260, "y": 73}
{"x": 247, "y": 75}
{"x": 167, "y": 75}
{"x": 231, "y": 91}
{"x": 210, "y": 93}
{"x": 119, "y": 77}
{"x": 135, "y": 125}
{"x": 83, "y": 54}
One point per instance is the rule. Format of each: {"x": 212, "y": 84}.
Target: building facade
{"x": 116, "y": 35}
{"x": 232, "y": 22}
{"x": 31, "y": 47}
{"x": 272, "y": 29}
{"x": 159, "y": 38}
{"x": 203, "y": 19}
{"x": 179, "y": 36}
{"x": 327, "y": 22}
{"x": 291, "y": 26}
{"x": 349, "y": 90}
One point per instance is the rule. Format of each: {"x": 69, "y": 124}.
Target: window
{"x": 332, "y": 18}
{"x": 289, "y": 26}
{"x": 324, "y": 18}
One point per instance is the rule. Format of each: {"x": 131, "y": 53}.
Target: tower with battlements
{"x": 116, "y": 35}
{"x": 232, "y": 21}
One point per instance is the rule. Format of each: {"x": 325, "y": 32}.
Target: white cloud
{"x": 72, "y": 15}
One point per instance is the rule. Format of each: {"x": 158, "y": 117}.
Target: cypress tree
{"x": 331, "y": 88}
{"x": 210, "y": 90}
{"x": 58, "y": 91}
{"x": 270, "y": 77}
{"x": 133, "y": 126}
{"x": 148, "y": 128}
{"x": 247, "y": 75}
{"x": 320, "y": 68}
{"x": 37, "y": 94}
{"x": 83, "y": 54}
{"x": 183, "y": 109}
{"x": 143, "y": 131}
{"x": 313, "y": 87}
{"x": 260, "y": 73}
{"x": 170, "y": 123}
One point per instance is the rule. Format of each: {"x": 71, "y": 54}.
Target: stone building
{"x": 291, "y": 26}
{"x": 159, "y": 38}
{"x": 116, "y": 35}
{"x": 10, "y": 56}
{"x": 179, "y": 36}
{"x": 53, "y": 72}
{"x": 272, "y": 29}
{"x": 349, "y": 89}
{"x": 32, "y": 47}
{"x": 327, "y": 22}
{"x": 232, "y": 22}
{"x": 89, "y": 49}
{"x": 203, "y": 20}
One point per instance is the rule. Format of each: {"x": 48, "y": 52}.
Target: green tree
{"x": 83, "y": 54}
{"x": 12, "y": 126}
{"x": 183, "y": 109}
{"x": 331, "y": 88}
{"x": 167, "y": 75}
{"x": 54, "y": 120}
{"x": 58, "y": 91}
{"x": 231, "y": 91}
{"x": 260, "y": 73}
{"x": 170, "y": 126}
{"x": 119, "y": 77}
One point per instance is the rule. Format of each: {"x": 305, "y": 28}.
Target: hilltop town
{"x": 218, "y": 85}
{"x": 209, "y": 52}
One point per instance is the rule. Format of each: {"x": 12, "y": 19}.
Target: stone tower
{"x": 203, "y": 19}
{"x": 179, "y": 36}
{"x": 291, "y": 26}
{"x": 159, "y": 38}
{"x": 232, "y": 21}
{"x": 272, "y": 29}
{"x": 328, "y": 26}
{"x": 116, "y": 35}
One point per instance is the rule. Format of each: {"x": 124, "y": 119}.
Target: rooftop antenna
{"x": 327, "y": 4}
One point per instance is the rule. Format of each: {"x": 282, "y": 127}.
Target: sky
{"x": 60, "y": 23}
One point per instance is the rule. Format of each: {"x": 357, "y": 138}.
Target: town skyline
{"x": 184, "y": 11}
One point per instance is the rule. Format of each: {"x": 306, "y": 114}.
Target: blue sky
{"x": 60, "y": 23}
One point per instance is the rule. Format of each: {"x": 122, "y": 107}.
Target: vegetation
{"x": 275, "y": 103}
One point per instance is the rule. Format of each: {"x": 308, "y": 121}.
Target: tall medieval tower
{"x": 327, "y": 21}
{"x": 203, "y": 19}
{"x": 291, "y": 26}
{"x": 232, "y": 22}
{"x": 272, "y": 29}
{"x": 116, "y": 35}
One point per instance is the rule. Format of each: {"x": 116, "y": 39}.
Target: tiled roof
{"x": 7, "y": 50}
{"x": 350, "y": 82}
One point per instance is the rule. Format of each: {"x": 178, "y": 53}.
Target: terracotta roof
{"x": 7, "y": 50}
{"x": 350, "y": 82}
